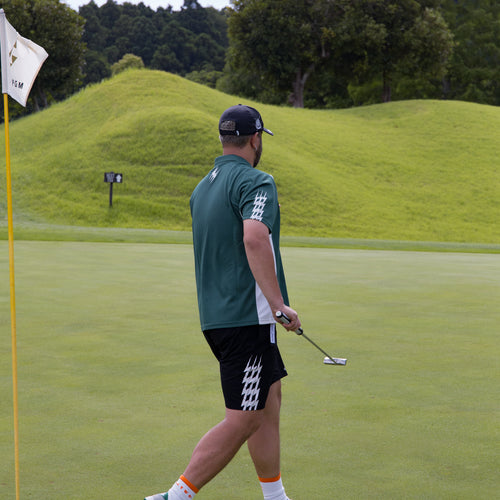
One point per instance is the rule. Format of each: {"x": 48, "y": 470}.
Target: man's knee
{"x": 245, "y": 423}
{"x": 275, "y": 393}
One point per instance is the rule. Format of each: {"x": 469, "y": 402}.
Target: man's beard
{"x": 258, "y": 154}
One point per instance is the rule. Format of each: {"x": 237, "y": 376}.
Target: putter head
{"x": 334, "y": 361}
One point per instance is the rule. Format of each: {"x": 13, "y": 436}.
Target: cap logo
{"x": 228, "y": 126}
{"x": 258, "y": 124}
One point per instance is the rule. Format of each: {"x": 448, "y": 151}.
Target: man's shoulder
{"x": 257, "y": 176}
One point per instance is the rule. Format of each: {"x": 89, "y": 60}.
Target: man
{"x": 241, "y": 286}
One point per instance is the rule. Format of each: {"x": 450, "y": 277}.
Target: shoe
{"x": 158, "y": 496}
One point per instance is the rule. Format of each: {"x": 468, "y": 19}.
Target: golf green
{"x": 116, "y": 383}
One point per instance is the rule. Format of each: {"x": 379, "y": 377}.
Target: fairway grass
{"x": 116, "y": 384}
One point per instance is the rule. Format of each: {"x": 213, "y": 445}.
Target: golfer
{"x": 241, "y": 286}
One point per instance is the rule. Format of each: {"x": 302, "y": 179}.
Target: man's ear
{"x": 254, "y": 141}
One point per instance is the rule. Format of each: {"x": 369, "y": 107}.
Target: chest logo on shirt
{"x": 259, "y": 203}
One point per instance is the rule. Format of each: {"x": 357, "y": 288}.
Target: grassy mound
{"x": 414, "y": 170}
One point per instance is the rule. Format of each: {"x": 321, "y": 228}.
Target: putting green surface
{"x": 116, "y": 384}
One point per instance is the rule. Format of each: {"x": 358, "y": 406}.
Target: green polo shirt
{"x": 232, "y": 192}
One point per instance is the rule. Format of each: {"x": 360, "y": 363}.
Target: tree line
{"x": 312, "y": 53}
{"x": 340, "y": 53}
{"x": 193, "y": 39}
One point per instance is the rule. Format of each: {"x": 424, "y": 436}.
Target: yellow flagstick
{"x": 21, "y": 59}
{"x": 12, "y": 291}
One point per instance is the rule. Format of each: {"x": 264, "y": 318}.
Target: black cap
{"x": 241, "y": 120}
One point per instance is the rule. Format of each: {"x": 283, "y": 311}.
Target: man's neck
{"x": 247, "y": 153}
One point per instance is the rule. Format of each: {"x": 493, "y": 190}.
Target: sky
{"x": 154, "y": 4}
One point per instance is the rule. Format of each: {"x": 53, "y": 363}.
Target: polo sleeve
{"x": 259, "y": 200}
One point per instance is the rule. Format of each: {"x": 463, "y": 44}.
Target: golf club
{"x": 283, "y": 318}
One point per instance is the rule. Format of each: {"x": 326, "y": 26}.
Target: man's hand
{"x": 292, "y": 315}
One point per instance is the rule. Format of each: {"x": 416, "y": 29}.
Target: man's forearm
{"x": 261, "y": 261}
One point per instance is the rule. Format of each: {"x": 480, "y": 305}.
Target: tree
{"x": 96, "y": 67}
{"x": 206, "y": 77}
{"x": 279, "y": 44}
{"x": 474, "y": 73}
{"x": 58, "y": 29}
{"x": 283, "y": 44}
{"x": 393, "y": 39}
{"x": 193, "y": 39}
{"x": 126, "y": 62}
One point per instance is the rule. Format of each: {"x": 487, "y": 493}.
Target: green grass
{"x": 53, "y": 232}
{"x": 116, "y": 384}
{"x": 410, "y": 171}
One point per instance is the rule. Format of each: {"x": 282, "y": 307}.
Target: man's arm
{"x": 261, "y": 260}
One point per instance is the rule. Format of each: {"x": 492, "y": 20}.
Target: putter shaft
{"x": 283, "y": 318}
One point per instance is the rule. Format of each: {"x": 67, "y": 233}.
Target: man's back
{"x": 227, "y": 291}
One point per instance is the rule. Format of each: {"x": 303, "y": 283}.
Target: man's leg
{"x": 264, "y": 447}
{"x": 264, "y": 443}
{"x": 220, "y": 444}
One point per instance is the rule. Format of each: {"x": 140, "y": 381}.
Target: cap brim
{"x": 268, "y": 131}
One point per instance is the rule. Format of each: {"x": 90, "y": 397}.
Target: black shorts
{"x": 250, "y": 363}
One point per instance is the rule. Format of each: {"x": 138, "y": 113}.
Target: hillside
{"x": 413, "y": 170}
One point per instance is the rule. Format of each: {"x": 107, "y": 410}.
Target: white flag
{"x": 21, "y": 61}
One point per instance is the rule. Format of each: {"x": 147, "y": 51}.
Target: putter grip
{"x": 284, "y": 319}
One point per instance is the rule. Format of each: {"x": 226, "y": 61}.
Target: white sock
{"x": 272, "y": 488}
{"x": 182, "y": 490}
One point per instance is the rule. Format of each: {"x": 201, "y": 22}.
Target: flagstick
{"x": 17, "y": 81}
{"x": 12, "y": 291}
